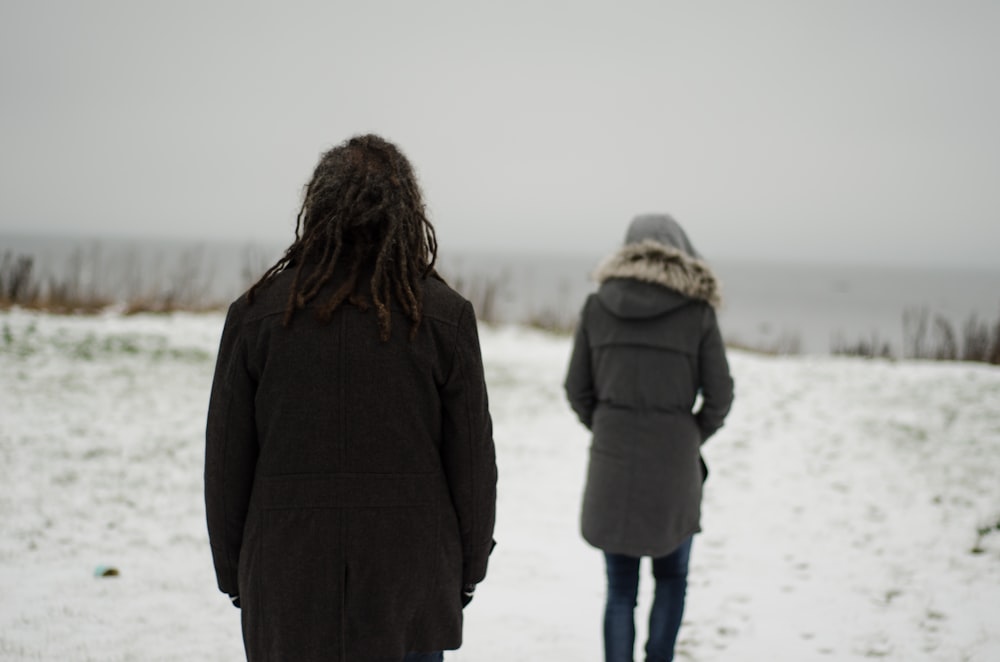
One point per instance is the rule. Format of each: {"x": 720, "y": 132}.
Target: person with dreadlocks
{"x": 350, "y": 473}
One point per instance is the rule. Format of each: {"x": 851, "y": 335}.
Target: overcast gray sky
{"x": 859, "y": 130}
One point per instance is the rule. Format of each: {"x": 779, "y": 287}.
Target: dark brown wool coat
{"x": 350, "y": 484}
{"x": 647, "y": 344}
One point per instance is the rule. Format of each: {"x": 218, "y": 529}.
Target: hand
{"x": 467, "y": 592}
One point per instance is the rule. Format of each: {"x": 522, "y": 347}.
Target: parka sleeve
{"x": 230, "y": 452}
{"x": 467, "y": 449}
{"x": 579, "y": 382}
{"x": 715, "y": 381}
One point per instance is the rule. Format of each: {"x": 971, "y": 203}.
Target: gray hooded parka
{"x": 647, "y": 344}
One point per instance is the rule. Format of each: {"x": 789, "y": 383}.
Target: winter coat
{"x": 647, "y": 344}
{"x": 350, "y": 484}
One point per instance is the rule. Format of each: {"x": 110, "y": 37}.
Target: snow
{"x": 853, "y": 507}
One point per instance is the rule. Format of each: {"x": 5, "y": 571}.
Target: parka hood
{"x": 650, "y": 278}
{"x": 661, "y": 228}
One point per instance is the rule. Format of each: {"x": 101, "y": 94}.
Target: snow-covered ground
{"x": 853, "y": 510}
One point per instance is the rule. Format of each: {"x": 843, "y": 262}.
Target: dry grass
{"x": 90, "y": 284}
{"x": 934, "y": 338}
{"x": 787, "y": 344}
{"x": 482, "y": 293}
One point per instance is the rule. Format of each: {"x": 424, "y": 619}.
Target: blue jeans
{"x": 670, "y": 572}
{"x": 424, "y": 657}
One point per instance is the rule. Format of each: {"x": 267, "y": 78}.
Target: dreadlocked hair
{"x": 362, "y": 209}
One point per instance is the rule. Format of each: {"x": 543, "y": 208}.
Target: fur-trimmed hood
{"x": 669, "y": 276}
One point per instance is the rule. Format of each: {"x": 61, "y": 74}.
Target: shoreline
{"x": 779, "y": 307}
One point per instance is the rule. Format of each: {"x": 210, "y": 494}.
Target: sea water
{"x": 809, "y": 308}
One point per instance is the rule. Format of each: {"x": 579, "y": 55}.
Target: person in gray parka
{"x": 647, "y": 344}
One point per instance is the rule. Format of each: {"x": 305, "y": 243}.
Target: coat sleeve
{"x": 579, "y": 382}
{"x": 467, "y": 449}
{"x": 714, "y": 379}
{"x": 230, "y": 453}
